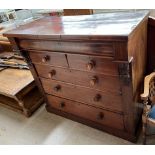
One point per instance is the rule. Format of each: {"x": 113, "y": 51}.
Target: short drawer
{"x": 48, "y": 58}
{"x": 82, "y": 94}
{"x": 93, "y": 64}
{"x": 94, "y": 48}
{"x": 88, "y": 79}
{"x": 88, "y": 112}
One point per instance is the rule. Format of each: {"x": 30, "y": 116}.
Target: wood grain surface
{"x": 13, "y": 81}
{"x": 109, "y": 25}
{"x": 64, "y": 53}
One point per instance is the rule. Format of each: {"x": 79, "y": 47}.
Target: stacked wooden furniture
{"x": 89, "y": 68}
{"x": 18, "y": 90}
{"x": 4, "y": 42}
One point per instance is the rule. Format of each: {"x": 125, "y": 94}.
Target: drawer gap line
{"x": 67, "y": 60}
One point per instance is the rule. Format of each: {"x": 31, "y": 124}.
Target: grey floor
{"x": 47, "y": 128}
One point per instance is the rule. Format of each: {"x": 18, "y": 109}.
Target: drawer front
{"x": 93, "y": 64}
{"x": 83, "y": 94}
{"x": 92, "y": 80}
{"x": 94, "y": 114}
{"x": 95, "y": 48}
{"x": 48, "y": 58}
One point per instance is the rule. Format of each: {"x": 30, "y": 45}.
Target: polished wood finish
{"x": 48, "y": 58}
{"x": 137, "y": 55}
{"x": 73, "y": 12}
{"x": 87, "y": 27}
{"x": 93, "y": 63}
{"x": 84, "y": 95}
{"x": 97, "y": 115}
{"x": 87, "y": 79}
{"x": 94, "y": 48}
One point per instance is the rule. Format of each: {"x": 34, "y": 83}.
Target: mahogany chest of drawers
{"x": 90, "y": 68}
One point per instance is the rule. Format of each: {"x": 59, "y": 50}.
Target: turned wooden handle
{"x": 93, "y": 81}
{"x": 57, "y": 87}
{"x": 51, "y": 73}
{"x": 90, "y": 65}
{"x": 45, "y": 58}
{"x": 62, "y": 104}
{"x": 97, "y": 97}
{"x": 100, "y": 116}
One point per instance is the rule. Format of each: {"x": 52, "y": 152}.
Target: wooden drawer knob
{"x": 57, "y": 88}
{"x": 90, "y": 65}
{"x": 62, "y": 104}
{"x": 93, "y": 81}
{"x": 97, "y": 97}
{"x": 51, "y": 73}
{"x": 100, "y": 116}
{"x": 45, "y": 58}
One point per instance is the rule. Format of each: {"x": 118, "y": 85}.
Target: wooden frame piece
{"x": 145, "y": 97}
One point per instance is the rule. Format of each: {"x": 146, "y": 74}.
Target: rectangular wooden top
{"x": 12, "y": 81}
{"x": 118, "y": 25}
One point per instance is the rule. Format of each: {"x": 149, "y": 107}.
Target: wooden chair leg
{"x": 144, "y": 133}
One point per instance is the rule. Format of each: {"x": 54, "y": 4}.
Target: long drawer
{"x": 93, "y": 64}
{"x": 82, "y": 94}
{"x": 88, "y": 79}
{"x": 48, "y": 58}
{"x": 88, "y": 112}
{"x": 94, "y": 48}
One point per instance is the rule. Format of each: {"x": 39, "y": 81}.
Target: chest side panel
{"x": 137, "y": 51}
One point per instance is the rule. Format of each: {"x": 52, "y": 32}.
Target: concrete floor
{"x": 47, "y": 128}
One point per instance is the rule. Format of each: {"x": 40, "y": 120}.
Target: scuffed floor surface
{"x": 47, "y": 128}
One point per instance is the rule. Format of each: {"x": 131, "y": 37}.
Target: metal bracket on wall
{"x": 124, "y": 72}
